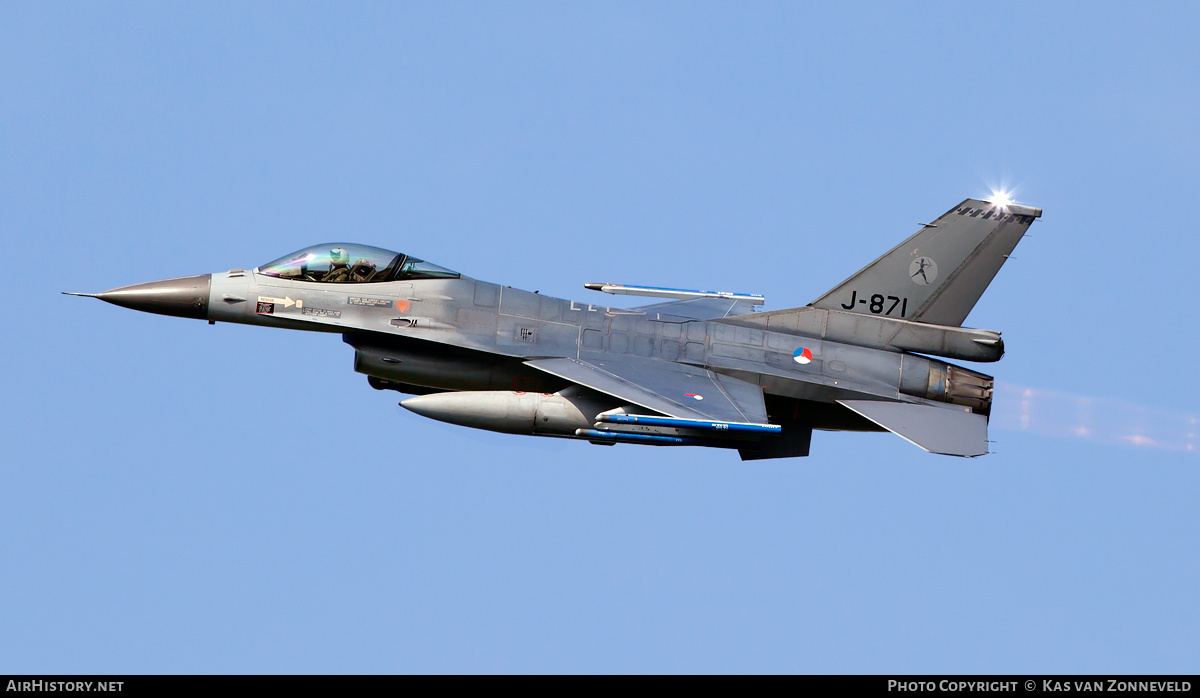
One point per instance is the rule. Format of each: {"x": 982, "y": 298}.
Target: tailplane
{"x": 937, "y": 275}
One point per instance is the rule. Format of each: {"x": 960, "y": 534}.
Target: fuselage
{"x": 466, "y": 334}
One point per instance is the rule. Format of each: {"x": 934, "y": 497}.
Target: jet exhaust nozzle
{"x": 186, "y": 296}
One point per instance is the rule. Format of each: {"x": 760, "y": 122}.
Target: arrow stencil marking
{"x": 285, "y": 301}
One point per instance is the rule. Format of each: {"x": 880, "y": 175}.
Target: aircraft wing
{"x": 676, "y": 390}
{"x": 699, "y": 308}
{"x": 950, "y": 431}
{"x": 694, "y": 305}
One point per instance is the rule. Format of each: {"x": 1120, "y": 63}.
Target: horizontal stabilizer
{"x": 950, "y": 431}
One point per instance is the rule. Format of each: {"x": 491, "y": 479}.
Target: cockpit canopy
{"x": 339, "y": 262}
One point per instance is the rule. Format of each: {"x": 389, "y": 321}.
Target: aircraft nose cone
{"x": 186, "y": 296}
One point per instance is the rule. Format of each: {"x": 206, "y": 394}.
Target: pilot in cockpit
{"x": 340, "y": 262}
{"x": 339, "y": 266}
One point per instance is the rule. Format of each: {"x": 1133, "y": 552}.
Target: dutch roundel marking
{"x": 922, "y": 271}
{"x": 802, "y": 355}
{"x": 693, "y": 396}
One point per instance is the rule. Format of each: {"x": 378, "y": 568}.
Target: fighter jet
{"x": 695, "y": 368}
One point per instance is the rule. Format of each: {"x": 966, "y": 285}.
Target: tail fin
{"x": 938, "y": 274}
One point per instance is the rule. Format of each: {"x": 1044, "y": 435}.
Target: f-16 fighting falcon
{"x": 696, "y": 368}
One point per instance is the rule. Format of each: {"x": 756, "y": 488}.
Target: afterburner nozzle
{"x": 186, "y": 296}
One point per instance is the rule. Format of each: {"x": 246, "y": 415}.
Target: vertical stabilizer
{"x": 937, "y": 275}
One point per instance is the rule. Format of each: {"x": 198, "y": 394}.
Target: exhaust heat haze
{"x": 1102, "y": 420}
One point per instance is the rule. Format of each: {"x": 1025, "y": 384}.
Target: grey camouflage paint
{"x": 699, "y": 359}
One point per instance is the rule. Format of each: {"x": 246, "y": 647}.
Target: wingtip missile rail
{"x": 676, "y": 293}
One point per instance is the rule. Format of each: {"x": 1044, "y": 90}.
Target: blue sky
{"x": 180, "y": 497}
